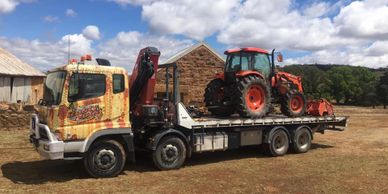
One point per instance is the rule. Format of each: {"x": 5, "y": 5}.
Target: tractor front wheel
{"x": 294, "y": 104}
{"x": 252, "y": 98}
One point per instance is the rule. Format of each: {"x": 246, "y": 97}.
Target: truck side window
{"x": 118, "y": 83}
{"x": 84, "y": 86}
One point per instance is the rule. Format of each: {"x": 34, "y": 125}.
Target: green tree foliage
{"x": 351, "y": 85}
{"x": 345, "y": 84}
{"x": 314, "y": 80}
{"x": 382, "y": 89}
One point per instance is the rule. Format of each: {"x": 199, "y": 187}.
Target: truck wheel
{"x": 252, "y": 98}
{"x": 105, "y": 158}
{"x": 279, "y": 143}
{"x": 302, "y": 140}
{"x": 214, "y": 97}
{"x": 170, "y": 153}
{"x": 293, "y": 104}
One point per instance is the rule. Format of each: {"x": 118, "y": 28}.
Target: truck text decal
{"x": 85, "y": 113}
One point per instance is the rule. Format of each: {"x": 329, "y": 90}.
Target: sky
{"x": 308, "y": 31}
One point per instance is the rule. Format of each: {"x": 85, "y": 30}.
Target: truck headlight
{"x": 46, "y": 147}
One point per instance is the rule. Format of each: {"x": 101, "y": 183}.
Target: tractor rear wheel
{"x": 252, "y": 98}
{"x": 214, "y": 98}
{"x": 294, "y": 104}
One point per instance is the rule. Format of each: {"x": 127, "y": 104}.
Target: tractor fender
{"x": 154, "y": 140}
{"x": 269, "y": 133}
{"x": 220, "y": 76}
{"x": 298, "y": 128}
{"x": 250, "y": 72}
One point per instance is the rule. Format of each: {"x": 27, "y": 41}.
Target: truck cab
{"x": 83, "y": 104}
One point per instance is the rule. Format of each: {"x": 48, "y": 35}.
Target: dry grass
{"x": 353, "y": 161}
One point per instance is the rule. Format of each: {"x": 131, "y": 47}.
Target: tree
{"x": 314, "y": 80}
{"x": 382, "y": 89}
{"x": 351, "y": 85}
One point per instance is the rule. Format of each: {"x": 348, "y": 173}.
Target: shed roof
{"x": 186, "y": 51}
{"x": 11, "y": 65}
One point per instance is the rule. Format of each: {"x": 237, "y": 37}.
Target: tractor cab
{"x": 248, "y": 59}
{"x": 249, "y": 85}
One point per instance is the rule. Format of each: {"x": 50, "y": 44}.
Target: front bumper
{"x": 45, "y": 142}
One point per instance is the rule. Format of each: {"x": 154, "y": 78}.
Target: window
{"x": 118, "y": 83}
{"x": 238, "y": 62}
{"x": 83, "y": 86}
{"x": 261, "y": 63}
{"x": 53, "y": 87}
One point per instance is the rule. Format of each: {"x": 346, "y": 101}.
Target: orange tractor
{"x": 250, "y": 84}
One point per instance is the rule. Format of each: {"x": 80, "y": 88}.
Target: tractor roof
{"x": 247, "y": 49}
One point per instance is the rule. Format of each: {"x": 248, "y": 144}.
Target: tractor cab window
{"x": 237, "y": 62}
{"x": 261, "y": 63}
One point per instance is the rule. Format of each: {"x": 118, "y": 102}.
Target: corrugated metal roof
{"x": 186, "y": 51}
{"x": 11, "y": 65}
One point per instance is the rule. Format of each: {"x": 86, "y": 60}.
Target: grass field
{"x": 353, "y": 161}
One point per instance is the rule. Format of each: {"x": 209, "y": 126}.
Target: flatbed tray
{"x": 187, "y": 121}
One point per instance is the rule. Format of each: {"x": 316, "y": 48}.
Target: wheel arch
{"x": 123, "y": 135}
{"x": 155, "y": 139}
{"x": 270, "y": 132}
{"x": 296, "y": 128}
{"x": 248, "y": 73}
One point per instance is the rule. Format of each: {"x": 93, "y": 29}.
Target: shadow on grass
{"x": 43, "y": 171}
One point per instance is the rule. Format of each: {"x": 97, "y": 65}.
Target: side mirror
{"x": 280, "y": 57}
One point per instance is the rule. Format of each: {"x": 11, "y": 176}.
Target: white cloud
{"x": 278, "y": 24}
{"x": 123, "y": 49}
{"x": 317, "y": 10}
{"x": 272, "y": 24}
{"x": 91, "y": 32}
{"x": 364, "y": 19}
{"x": 7, "y": 6}
{"x": 194, "y": 19}
{"x": 46, "y": 54}
{"x": 50, "y": 19}
{"x": 71, "y": 13}
{"x": 353, "y": 55}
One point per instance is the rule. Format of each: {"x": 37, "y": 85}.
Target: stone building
{"x": 197, "y": 65}
{"x": 18, "y": 80}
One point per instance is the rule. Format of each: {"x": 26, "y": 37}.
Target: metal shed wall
{"x": 21, "y": 89}
{"x": 5, "y": 89}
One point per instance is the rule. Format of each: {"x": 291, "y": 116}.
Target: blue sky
{"x": 341, "y": 32}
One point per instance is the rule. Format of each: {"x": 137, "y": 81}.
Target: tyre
{"x": 279, "y": 143}
{"x": 294, "y": 104}
{"x": 252, "y": 97}
{"x": 302, "y": 140}
{"x": 105, "y": 158}
{"x": 170, "y": 153}
{"x": 214, "y": 98}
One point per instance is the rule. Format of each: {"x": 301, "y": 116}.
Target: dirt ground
{"x": 353, "y": 161}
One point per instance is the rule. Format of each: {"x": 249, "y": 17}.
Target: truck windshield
{"x": 53, "y": 87}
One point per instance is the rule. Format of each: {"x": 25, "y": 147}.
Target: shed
{"x": 198, "y": 65}
{"x": 19, "y": 80}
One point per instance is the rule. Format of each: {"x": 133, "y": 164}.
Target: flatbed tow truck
{"x": 96, "y": 113}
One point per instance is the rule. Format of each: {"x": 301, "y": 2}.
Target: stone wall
{"x": 15, "y": 116}
{"x": 196, "y": 70}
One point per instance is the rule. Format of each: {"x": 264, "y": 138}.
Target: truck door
{"x": 87, "y": 104}
{"x": 119, "y": 101}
